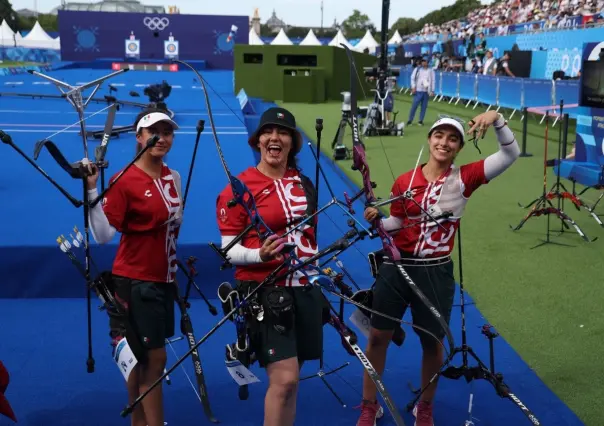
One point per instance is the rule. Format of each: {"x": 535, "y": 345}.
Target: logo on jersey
{"x": 223, "y": 215}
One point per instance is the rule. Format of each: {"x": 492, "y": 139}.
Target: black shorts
{"x": 303, "y": 340}
{"x": 150, "y": 310}
{"x": 392, "y": 295}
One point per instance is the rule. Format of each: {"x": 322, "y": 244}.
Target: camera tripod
{"x": 479, "y": 371}
{"x": 340, "y": 151}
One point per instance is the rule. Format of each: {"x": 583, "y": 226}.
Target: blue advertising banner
{"x": 87, "y": 36}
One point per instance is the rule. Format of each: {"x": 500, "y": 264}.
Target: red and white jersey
{"x": 449, "y": 193}
{"x": 147, "y": 212}
{"x": 280, "y": 203}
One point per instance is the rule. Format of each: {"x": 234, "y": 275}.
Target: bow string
{"x": 359, "y": 161}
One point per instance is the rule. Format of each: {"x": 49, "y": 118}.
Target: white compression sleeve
{"x": 239, "y": 255}
{"x": 392, "y": 223}
{"x": 102, "y": 231}
{"x": 497, "y": 163}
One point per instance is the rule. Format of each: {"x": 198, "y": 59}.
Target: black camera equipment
{"x": 340, "y": 151}
{"x": 158, "y": 93}
{"x": 376, "y": 123}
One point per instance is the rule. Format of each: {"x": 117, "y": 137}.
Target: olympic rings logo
{"x": 156, "y": 23}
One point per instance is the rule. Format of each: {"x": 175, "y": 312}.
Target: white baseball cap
{"x": 155, "y": 117}
{"x": 447, "y": 121}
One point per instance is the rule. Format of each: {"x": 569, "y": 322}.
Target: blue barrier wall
{"x": 24, "y": 54}
{"x": 505, "y": 92}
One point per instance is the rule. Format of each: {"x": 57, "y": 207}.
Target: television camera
{"x": 376, "y": 120}
{"x": 158, "y": 93}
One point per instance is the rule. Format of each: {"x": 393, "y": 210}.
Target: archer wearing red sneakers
{"x": 145, "y": 206}
{"x": 437, "y": 186}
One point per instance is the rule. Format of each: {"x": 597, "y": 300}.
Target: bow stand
{"x": 480, "y": 371}
{"x": 321, "y": 373}
{"x": 544, "y": 206}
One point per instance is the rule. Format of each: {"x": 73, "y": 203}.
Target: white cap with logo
{"x": 447, "y": 121}
{"x": 155, "y": 117}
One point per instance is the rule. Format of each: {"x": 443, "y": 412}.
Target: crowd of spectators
{"x": 498, "y": 17}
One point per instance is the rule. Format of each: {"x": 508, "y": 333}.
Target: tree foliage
{"x": 48, "y": 22}
{"x": 7, "y": 13}
{"x": 457, "y": 10}
{"x": 357, "y": 24}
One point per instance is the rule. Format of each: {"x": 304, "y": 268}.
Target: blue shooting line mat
{"x": 43, "y": 313}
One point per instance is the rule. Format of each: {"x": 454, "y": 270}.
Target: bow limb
{"x": 359, "y": 162}
{"x": 241, "y": 193}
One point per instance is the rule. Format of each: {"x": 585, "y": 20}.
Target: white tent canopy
{"x": 310, "y": 40}
{"x": 281, "y": 39}
{"x": 7, "y": 36}
{"x": 367, "y": 42}
{"x": 340, "y": 39}
{"x": 254, "y": 39}
{"x": 396, "y": 38}
{"x": 38, "y": 38}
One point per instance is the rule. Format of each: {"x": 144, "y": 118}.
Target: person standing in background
{"x": 422, "y": 86}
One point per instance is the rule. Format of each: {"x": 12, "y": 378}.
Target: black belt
{"x": 415, "y": 261}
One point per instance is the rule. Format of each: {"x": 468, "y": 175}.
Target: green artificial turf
{"x": 546, "y": 302}
{"x": 7, "y": 64}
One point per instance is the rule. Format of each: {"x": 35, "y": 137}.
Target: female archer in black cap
{"x": 283, "y": 196}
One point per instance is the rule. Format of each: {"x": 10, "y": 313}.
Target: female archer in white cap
{"x": 145, "y": 206}
{"x": 437, "y": 186}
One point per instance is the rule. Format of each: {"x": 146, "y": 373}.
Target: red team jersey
{"x": 449, "y": 193}
{"x": 146, "y": 212}
{"x": 280, "y": 203}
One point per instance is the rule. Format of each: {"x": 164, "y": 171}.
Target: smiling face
{"x": 445, "y": 144}
{"x": 165, "y": 131}
{"x": 275, "y": 144}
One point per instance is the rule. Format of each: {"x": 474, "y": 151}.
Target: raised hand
{"x": 482, "y": 122}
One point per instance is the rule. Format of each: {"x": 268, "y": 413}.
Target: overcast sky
{"x": 293, "y": 12}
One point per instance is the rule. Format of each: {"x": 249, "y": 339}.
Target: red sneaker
{"x": 370, "y": 412}
{"x": 423, "y": 414}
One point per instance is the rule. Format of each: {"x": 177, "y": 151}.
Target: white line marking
{"x": 102, "y": 126}
{"x": 176, "y": 86}
{"x": 77, "y": 131}
{"x": 7, "y": 83}
{"x": 118, "y": 84}
{"x": 140, "y": 85}
{"x": 178, "y": 114}
{"x": 45, "y": 83}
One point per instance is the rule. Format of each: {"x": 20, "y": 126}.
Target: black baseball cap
{"x": 278, "y": 117}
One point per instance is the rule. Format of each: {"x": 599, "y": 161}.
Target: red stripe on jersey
{"x": 144, "y": 210}
{"x": 280, "y": 203}
{"x": 450, "y": 192}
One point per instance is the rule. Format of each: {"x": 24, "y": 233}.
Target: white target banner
{"x": 133, "y": 48}
{"x": 171, "y": 49}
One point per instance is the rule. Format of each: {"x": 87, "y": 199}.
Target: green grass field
{"x": 7, "y": 64}
{"x": 545, "y": 302}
